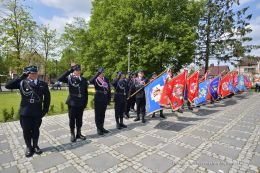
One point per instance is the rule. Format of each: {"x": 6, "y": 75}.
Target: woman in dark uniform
{"x": 120, "y": 84}
{"x": 102, "y": 98}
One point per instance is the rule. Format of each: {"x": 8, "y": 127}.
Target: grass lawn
{"x": 57, "y": 106}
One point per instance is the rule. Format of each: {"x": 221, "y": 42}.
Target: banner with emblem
{"x": 153, "y": 93}
{"x": 225, "y": 86}
{"x": 176, "y": 88}
{"x": 247, "y": 82}
{"x": 213, "y": 87}
{"x": 240, "y": 84}
{"x": 203, "y": 93}
{"x": 193, "y": 86}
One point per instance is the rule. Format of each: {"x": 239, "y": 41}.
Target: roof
{"x": 247, "y": 61}
{"x": 215, "y": 70}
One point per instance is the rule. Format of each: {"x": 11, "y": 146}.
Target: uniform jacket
{"x": 35, "y": 104}
{"x": 102, "y": 94}
{"x": 78, "y": 89}
{"x": 121, "y": 88}
{"x": 138, "y": 84}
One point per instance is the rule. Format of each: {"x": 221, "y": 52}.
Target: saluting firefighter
{"x": 77, "y": 99}
{"x": 154, "y": 76}
{"x": 102, "y": 98}
{"x": 120, "y": 84}
{"x": 139, "y": 83}
{"x": 34, "y": 105}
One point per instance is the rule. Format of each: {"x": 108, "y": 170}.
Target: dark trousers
{"x": 140, "y": 106}
{"x": 120, "y": 104}
{"x": 75, "y": 116}
{"x": 129, "y": 104}
{"x": 100, "y": 110}
{"x": 31, "y": 129}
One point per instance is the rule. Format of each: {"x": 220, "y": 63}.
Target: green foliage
{"x": 17, "y": 27}
{"x": 222, "y": 31}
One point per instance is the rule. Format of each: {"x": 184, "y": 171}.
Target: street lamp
{"x": 129, "y": 38}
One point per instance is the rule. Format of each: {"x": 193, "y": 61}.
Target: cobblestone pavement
{"x": 223, "y": 137}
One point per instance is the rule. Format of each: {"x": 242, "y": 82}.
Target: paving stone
{"x": 190, "y": 141}
{"x": 238, "y": 134}
{"x": 130, "y": 149}
{"x": 6, "y": 157}
{"x": 2, "y": 137}
{"x": 166, "y": 134}
{"x": 4, "y": 146}
{"x": 109, "y": 140}
{"x": 84, "y": 149}
{"x": 202, "y": 134}
{"x": 224, "y": 151}
{"x": 216, "y": 123}
{"x": 248, "y": 129}
{"x": 157, "y": 163}
{"x": 130, "y": 133}
{"x": 176, "y": 150}
{"x": 10, "y": 170}
{"x": 52, "y": 127}
{"x": 70, "y": 169}
{"x": 45, "y": 162}
{"x": 102, "y": 162}
{"x": 129, "y": 170}
{"x": 258, "y": 149}
{"x": 59, "y": 132}
{"x": 233, "y": 142}
{"x": 211, "y": 128}
{"x": 150, "y": 141}
{"x": 256, "y": 161}
{"x": 213, "y": 164}
{"x": 189, "y": 170}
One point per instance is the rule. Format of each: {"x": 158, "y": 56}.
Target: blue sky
{"x": 57, "y": 13}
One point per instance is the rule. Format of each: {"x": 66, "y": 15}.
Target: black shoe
{"x": 123, "y": 125}
{"x": 137, "y": 118}
{"x": 100, "y": 132}
{"x": 29, "y": 152}
{"x": 180, "y": 111}
{"x": 104, "y": 130}
{"x": 72, "y": 137}
{"x": 127, "y": 116}
{"x": 79, "y": 135}
{"x": 162, "y": 116}
{"x": 37, "y": 150}
{"x": 143, "y": 119}
{"x": 153, "y": 115}
{"x": 118, "y": 126}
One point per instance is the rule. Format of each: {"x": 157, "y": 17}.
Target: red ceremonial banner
{"x": 247, "y": 82}
{"x": 224, "y": 86}
{"x": 193, "y": 86}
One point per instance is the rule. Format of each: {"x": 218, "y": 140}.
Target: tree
{"x": 163, "y": 34}
{"x": 222, "y": 31}
{"x": 17, "y": 27}
{"x": 48, "y": 43}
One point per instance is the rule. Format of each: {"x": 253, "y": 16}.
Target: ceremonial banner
{"x": 203, "y": 93}
{"x": 174, "y": 91}
{"x": 153, "y": 93}
{"x": 247, "y": 82}
{"x": 225, "y": 86}
{"x": 214, "y": 87}
{"x": 193, "y": 86}
{"x": 241, "y": 83}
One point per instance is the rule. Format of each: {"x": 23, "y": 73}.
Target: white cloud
{"x": 258, "y": 6}
{"x": 71, "y": 9}
{"x": 255, "y": 25}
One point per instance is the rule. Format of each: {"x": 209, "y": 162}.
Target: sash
{"x": 103, "y": 83}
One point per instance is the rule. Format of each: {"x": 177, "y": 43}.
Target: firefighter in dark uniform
{"x": 102, "y": 98}
{"x": 34, "y": 105}
{"x": 120, "y": 84}
{"x": 154, "y": 76}
{"x": 77, "y": 100}
{"x": 139, "y": 83}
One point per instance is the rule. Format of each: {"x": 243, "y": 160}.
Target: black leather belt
{"x": 121, "y": 93}
{"x": 33, "y": 101}
{"x": 76, "y": 95}
{"x": 102, "y": 92}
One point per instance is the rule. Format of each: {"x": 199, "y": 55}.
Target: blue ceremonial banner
{"x": 214, "y": 87}
{"x": 241, "y": 84}
{"x": 203, "y": 93}
{"x": 153, "y": 94}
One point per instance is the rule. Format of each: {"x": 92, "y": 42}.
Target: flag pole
{"x": 148, "y": 83}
